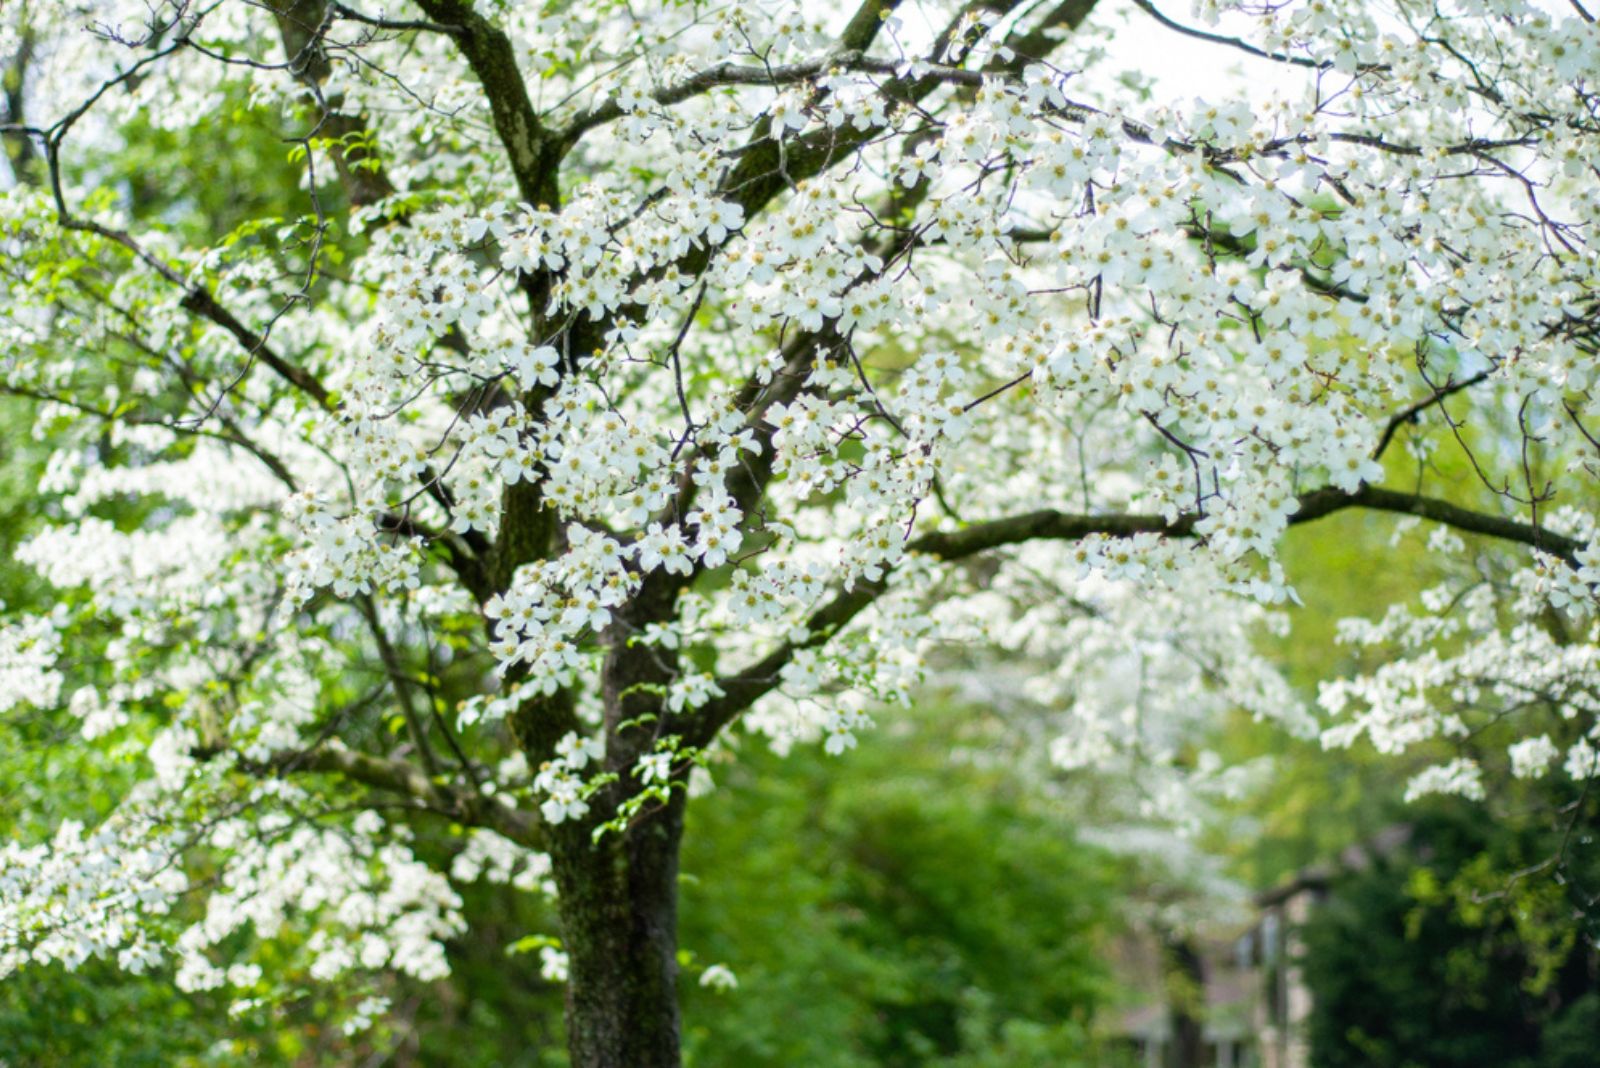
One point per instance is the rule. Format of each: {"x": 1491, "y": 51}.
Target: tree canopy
{"x": 461, "y": 429}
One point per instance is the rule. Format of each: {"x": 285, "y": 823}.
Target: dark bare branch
{"x": 743, "y": 688}
{"x": 409, "y": 781}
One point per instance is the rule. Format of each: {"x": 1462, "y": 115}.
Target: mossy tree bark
{"x": 619, "y": 917}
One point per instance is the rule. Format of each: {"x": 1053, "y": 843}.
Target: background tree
{"x": 621, "y": 376}
{"x": 1444, "y": 953}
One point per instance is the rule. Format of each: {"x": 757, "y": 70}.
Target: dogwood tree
{"x": 629, "y": 373}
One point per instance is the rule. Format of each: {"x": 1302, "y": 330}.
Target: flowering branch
{"x": 743, "y": 688}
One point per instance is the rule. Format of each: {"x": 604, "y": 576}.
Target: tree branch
{"x": 400, "y": 683}
{"x": 742, "y": 689}
{"x": 1410, "y": 413}
{"x": 302, "y": 24}
{"x": 490, "y": 54}
{"x": 724, "y": 74}
{"x": 406, "y": 779}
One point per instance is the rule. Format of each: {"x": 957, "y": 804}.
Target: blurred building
{"x": 1236, "y": 999}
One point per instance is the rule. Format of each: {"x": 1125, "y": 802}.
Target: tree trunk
{"x": 618, "y": 896}
{"x": 1186, "y": 986}
{"x": 619, "y": 917}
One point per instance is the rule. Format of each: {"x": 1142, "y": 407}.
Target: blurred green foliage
{"x": 891, "y": 908}
{"x": 1440, "y": 955}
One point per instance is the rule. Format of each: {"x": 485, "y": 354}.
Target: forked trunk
{"x": 619, "y": 917}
